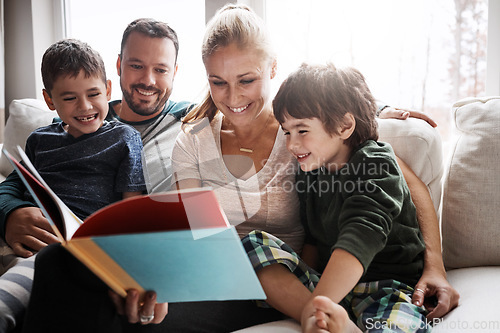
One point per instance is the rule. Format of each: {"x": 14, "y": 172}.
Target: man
{"x": 147, "y": 68}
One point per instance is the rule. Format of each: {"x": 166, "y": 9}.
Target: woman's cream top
{"x": 265, "y": 200}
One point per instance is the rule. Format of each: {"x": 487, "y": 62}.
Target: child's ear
{"x": 48, "y": 99}
{"x": 108, "y": 89}
{"x": 348, "y": 126}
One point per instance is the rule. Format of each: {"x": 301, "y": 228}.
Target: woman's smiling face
{"x": 240, "y": 82}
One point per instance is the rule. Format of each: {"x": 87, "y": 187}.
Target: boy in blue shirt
{"x": 361, "y": 227}
{"x": 87, "y": 161}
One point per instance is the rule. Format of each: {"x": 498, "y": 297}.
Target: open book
{"x": 177, "y": 243}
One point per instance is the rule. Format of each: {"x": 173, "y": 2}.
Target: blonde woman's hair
{"x": 233, "y": 23}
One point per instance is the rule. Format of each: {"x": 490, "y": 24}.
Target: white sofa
{"x": 25, "y": 115}
{"x": 466, "y": 192}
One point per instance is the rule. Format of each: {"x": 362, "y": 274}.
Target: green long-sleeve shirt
{"x": 364, "y": 208}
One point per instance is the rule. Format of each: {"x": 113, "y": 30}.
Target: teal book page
{"x": 185, "y": 265}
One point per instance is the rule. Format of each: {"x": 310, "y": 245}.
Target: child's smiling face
{"x": 81, "y": 102}
{"x": 313, "y": 146}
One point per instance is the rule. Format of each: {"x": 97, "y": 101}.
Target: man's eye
{"x": 303, "y": 131}
{"x": 136, "y": 66}
{"x": 94, "y": 94}
{"x": 161, "y": 71}
{"x": 69, "y": 98}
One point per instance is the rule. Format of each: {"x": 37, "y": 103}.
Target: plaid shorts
{"x": 378, "y": 306}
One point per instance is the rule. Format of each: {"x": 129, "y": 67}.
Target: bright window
{"x": 101, "y": 24}
{"x": 422, "y": 55}
{"x": 406, "y": 49}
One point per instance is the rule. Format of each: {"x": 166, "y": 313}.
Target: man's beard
{"x": 138, "y": 108}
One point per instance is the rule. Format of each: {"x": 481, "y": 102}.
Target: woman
{"x": 231, "y": 141}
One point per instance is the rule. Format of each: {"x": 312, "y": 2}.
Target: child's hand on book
{"x": 148, "y": 312}
{"x": 28, "y": 231}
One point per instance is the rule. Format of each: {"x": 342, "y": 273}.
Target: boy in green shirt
{"x": 362, "y": 233}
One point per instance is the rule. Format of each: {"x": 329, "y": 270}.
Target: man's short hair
{"x": 151, "y": 28}
{"x": 68, "y": 57}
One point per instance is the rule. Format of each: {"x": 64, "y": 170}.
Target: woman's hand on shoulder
{"x": 149, "y": 312}
{"x": 396, "y": 113}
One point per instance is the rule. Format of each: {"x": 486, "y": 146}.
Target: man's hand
{"x": 433, "y": 285}
{"x": 148, "y": 312}
{"x": 395, "y": 113}
{"x": 28, "y": 231}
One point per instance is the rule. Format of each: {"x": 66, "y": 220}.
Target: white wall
{"x": 19, "y": 52}
{"x": 30, "y": 27}
{"x": 211, "y": 7}
{"x": 46, "y": 31}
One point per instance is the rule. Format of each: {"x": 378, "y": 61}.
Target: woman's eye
{"x": 302, "y": 131}
{"x": 218, "y": 83}
{"x": 247, "y": 81}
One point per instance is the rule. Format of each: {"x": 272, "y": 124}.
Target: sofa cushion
{"x": 25, "y": 115}
{"x": 476, "y": 312}
{"x": 478, "y": 309}
{"x": 471, "y": 210}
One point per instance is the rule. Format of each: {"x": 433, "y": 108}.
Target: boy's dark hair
{"x": 151, "y": 28}
{"x": 68, "y": 57}
{"x": 328, "y": 93}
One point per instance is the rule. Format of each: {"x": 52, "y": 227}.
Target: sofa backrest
{"x": 419, "y": 145}
{"x": 25, "y": 115}
{"x": 471, "y": 199}
{"x": 413, "y": 140}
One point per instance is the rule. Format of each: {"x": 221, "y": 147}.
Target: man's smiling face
{"x": 147, "y": 68}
